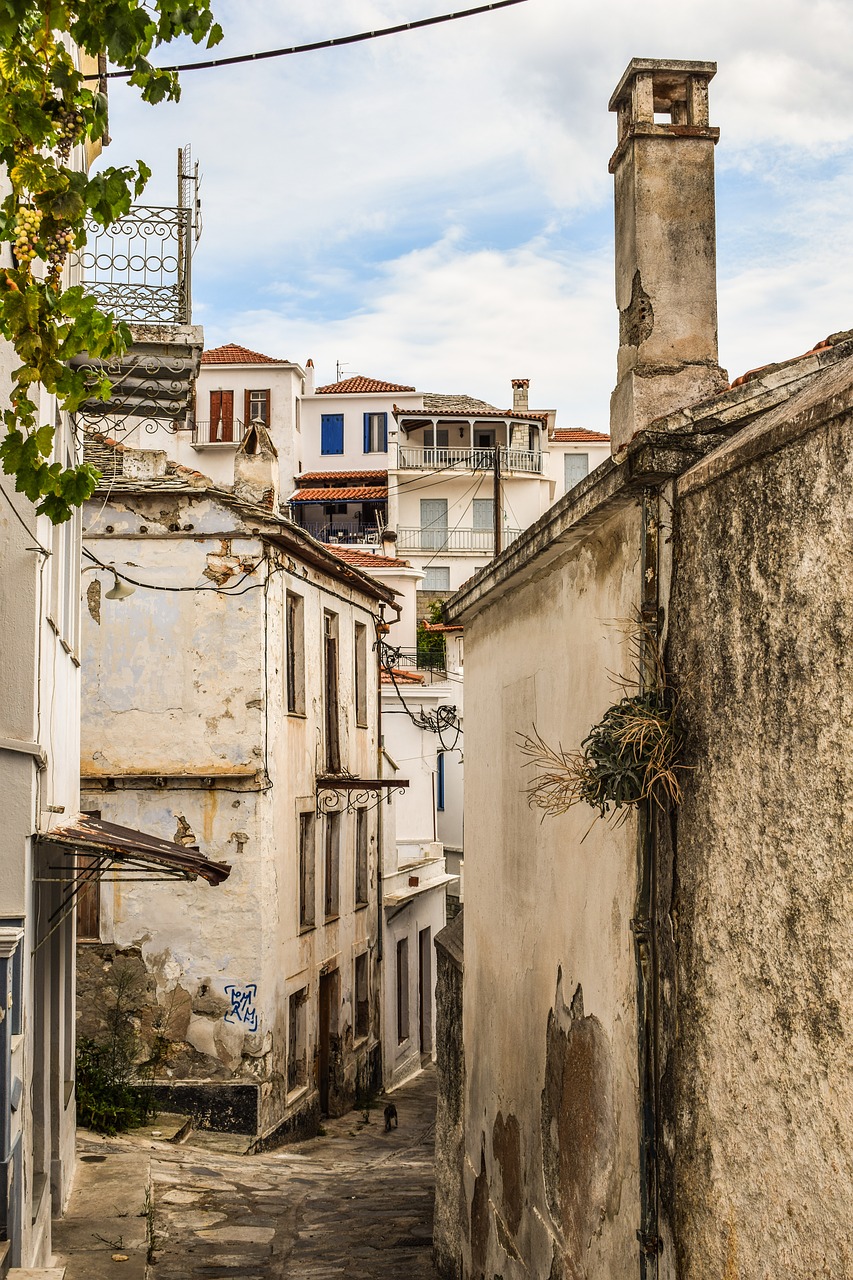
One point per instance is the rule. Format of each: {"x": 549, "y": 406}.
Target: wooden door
{"x": 222, "y": 416}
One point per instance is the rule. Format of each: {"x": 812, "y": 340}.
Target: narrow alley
{"x": 355, "y": 1202}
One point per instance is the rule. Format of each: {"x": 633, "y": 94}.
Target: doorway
{"x": 425, "y": 991}
{"x": 328, "y": 1027}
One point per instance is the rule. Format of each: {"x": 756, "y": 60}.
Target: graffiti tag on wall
{"x": 242, "y": 1005}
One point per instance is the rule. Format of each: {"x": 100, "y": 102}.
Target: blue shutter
{"x": 367, "y": 433}
{"x": 439, "y": 798}
{"x": 385, "y": 433}
{"x": 332, "y": 433}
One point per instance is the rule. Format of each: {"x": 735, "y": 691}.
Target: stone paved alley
{"x": 355, "y": 1203}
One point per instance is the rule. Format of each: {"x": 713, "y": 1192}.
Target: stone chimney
{"x": 666, "y": 285}
{"x": 308, "y": 384}
{"x": 256, "y": 473}
{"x": 519, "y": 394}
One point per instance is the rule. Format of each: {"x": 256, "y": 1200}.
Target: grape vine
{"x": 50, "y": 110}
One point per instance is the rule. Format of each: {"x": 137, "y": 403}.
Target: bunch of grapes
{"x": 69, "y": 127}
{"x": 27, "y": 226}
{"x": 58, "y": 248}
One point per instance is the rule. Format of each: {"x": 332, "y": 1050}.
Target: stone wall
{"x": 451, "y": 1211}
{"x": 759, "y": 1085}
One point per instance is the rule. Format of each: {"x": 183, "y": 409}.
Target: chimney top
{"x": 519, "y": 394}
{"x": 669, "y": 77}
{"x": 309, "y": 363}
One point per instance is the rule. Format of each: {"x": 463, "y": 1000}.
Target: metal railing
{"x": 332, "y": 533}
{"x": 139, "y": 266}
{"x": 218, "y": 432}
{"x": 452, "y": 539}
{"x": 445, "y": 459}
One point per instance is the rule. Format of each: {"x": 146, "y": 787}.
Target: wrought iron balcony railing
{"x": 368, "y": 535}
{"x": 139, "y": 266}
{"x": 205, "y": 433}
{"x": 439, "y": 458}
{"x": 482, "y": 540}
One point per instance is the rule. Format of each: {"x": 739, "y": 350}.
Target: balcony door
{"x": 484, "y": 524}
{"x": 222, "y": 416}
{"x": 433, "y": 523}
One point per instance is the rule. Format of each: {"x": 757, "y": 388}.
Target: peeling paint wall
{"x": 186, "y": 735}
{"x": 551, "y": 1107}
{"x": 759, "y": 1079}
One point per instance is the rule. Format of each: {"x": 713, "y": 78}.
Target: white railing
{"x": 482, "y": 540}
{"x": 218, "y": 432}
{"x": 440, "y": 458}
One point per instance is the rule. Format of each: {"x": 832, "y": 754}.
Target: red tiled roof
{"x": 366, "y": 560}
{"x": 359, "y": 385}
{"x": 355, "y": 494}
{"x": 232, "y": 354}
{"x": 440, "y": 626}
{"x": 401, "y": 677}
{"x": 364, "y": 477}
{"x": 456, "y": 415}
{"x": 572, "y": 435}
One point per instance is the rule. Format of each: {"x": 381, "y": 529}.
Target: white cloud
{"x": 435, "y": 192}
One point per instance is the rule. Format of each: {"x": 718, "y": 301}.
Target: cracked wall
{"x": 758, "y": 1086}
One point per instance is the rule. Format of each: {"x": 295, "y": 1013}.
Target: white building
{"x": 233, "y": 699}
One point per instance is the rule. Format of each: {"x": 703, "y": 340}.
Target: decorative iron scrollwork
{"x": 342, "y": 793}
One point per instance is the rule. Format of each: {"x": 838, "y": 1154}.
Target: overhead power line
{"x": 324, "y": 44}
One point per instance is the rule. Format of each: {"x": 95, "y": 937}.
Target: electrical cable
{"x": 22, "y": 522}
{"x": 154, "y": 586}
{"x": 333, "y": 43}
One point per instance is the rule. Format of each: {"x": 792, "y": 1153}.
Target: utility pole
{"x": 497, "y": 494}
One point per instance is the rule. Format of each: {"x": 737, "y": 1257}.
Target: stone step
{"x": 36, "y": 1273}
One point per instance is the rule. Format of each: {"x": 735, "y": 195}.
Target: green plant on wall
{"x": 47, "y": 107}
{"x": 431, "y": 648}
{"x": 632, "y": 755}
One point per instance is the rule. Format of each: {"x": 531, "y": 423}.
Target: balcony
{"x": 441, "y": 458}
{"x": 362, "y": 535}
{"x": 139, "y": 269}
{"x": 215, "y": 435}
{"x": 450, "y": 540}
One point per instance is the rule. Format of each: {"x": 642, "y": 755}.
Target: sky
{"x": 434, "y": 208}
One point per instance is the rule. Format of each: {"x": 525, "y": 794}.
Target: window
{"x": 333, "y": 864}
{"x": 376, "y": 433}
{"x": 221, "y": 416}
{"x": 439, "y": 783}
{"x": 484, "y": 439}
{"x": 257, "y": 406}
{"x": 439, "y": 438}
{"x": 402, "y": 990}
{"x": 335, "y": 508}
{"x": 361, "y": 867}
{"x": 294, "y": 658}
{"x": 436, "y": 578}
{"x": 330, "y": 674}
{"x": 433, "y": 524}
{"x": 306, "y": 870}
{"x": 332, "y": 433}
{"x": 484, "y": 524}
{"x": 361, "y": 997}
{"x": 577, "y": 466}
{"x": 88, "y": 901}
{"x": 297, "y": 1042}
{"x": 361, "y": 674}
{"x": 533, "y": 439}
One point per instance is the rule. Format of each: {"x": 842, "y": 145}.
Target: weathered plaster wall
{"x": 451, "y": 1209}
{"x": 550, "y": 1034}
{"x": 186, "y": 735}
{"x": 760, "y": 1084}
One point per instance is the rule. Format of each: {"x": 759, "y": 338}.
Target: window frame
{"x": 307, "y": 846}
{"x": 360, "y": 673}
{"x": 332, "y": 866}
{"x": 294, "y": 653}
{"x": 362, "y": 859}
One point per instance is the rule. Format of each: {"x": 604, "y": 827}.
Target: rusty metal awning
{"x": 128, "y": 854}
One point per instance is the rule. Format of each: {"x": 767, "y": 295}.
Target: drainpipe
{"x": 380, "y": 817}
{"x": 643, "y": 923}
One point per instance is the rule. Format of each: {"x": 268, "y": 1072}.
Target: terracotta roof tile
{"x": 358, "y": 493}
{"x": 359, "y": 386}
{"x": 440, "y": 627}
{"x": 401, "y": 677}
{"x": 232, "y": 354}
{"x": 529, "y": 415}
{"x": 753, "y": 373}
{"x": 572, "y": 435}
{"x": 366, "y": 559}
{"x": 364, "y": 477}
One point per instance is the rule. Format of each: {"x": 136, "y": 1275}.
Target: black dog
{"x": 390, "y": 1114}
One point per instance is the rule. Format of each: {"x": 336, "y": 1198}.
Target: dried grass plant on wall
{"x": 631, "y": 756}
